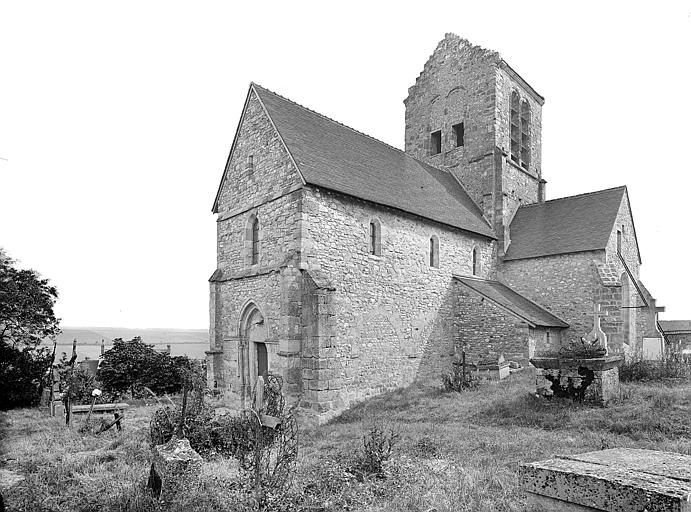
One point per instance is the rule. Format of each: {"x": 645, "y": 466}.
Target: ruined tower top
{"x": 471, "y": 114}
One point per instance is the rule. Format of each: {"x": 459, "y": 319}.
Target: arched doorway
{"x": 254, "y": 360}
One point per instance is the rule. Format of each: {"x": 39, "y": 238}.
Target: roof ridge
{"x": 422, "y": 162}
{"x": 330, "y": 119}
{"x": 575, "y": 195}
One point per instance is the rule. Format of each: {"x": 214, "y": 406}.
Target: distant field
{"x": 190, "y": 342}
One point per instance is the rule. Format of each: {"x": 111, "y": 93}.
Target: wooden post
{"x": 463, "y": 363}
{"x": 181, "y": 426}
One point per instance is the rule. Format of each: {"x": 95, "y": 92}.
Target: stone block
{"x": 175, "y": 467}
{"x": 615, "y": 480}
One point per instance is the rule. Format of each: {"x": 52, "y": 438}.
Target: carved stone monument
{"x": 583, "y": 370}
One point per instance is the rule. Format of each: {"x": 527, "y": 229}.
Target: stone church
{"x": 350, "y": 267}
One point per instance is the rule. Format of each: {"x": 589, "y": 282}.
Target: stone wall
{"x": 267, "y": 187}
{"x": 570, "y": 284}
{"x": 457, "y": 85}
{"x": 462, "y": 82}
{"x": 480, "y": 327}
{"x": 394, "y": 321}
{"x": 563, "y": 284}
{"x": 268, "y": 174}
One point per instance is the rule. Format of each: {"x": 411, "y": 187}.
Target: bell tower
{"x": 471, "y": 114}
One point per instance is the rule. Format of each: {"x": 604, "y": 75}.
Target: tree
{"x": 132, "y": 365}
{"x": 26, "y": 318}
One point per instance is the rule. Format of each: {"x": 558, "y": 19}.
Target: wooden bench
{"x": 117, "y": 409}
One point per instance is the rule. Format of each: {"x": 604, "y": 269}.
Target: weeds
{"x": 460, "y": 378}
{"x": 377, "y": 447}
{"x": 672, "y": 366}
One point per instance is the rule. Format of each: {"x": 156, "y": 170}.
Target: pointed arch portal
{"x": 254, "y": 356}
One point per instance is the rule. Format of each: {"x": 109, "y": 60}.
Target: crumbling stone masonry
{"x": 343, "y": 262}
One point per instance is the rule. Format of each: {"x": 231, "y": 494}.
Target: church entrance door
{"x": 255, "y": 358}
{"x": 262, "y": 360}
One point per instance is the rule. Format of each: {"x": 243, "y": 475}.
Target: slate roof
{"x": 669, "y": 326}
{"x": 333, "y": 156}
{"x": 513, "y": 301}
{"x": 566, "y": 225}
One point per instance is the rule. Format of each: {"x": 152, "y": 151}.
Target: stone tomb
{"x": 615, "y": 480}
{"x": 493, "y": 368}
{"x": 583, "y": 370}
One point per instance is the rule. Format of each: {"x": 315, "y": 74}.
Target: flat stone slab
{"x": 615, "y": 480}
{"x": 592, "y": 363}
{"x": 77, "y": 409}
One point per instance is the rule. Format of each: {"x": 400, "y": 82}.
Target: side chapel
{"x": 350, "y": 267}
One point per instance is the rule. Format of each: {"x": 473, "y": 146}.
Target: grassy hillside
{"x": 94, "y": 335}
{"x": 456, "y": 452}
{"x": 189, "y": 342}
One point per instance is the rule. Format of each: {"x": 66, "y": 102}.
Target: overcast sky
{"x": 116, "y": 120}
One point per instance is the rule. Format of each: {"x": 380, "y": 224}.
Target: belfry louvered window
{"x": 520, "y": 130}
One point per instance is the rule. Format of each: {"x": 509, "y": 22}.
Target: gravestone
{"x": 615, "y": 480}
{"x": 583, "y": 370}
{"x": 493, "y": 367}
{"x": 175, "y": 467}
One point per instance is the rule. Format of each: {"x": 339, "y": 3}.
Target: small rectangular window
{"x": 459, "y": 133}
{"x": 618, "y": 241}
{"x": 435, "y": 143}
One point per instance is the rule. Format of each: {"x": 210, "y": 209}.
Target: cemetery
{"x": 499, "y": 445}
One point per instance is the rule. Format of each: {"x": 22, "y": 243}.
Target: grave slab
{"x": 614, "y": 480}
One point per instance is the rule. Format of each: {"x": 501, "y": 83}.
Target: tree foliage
{"x": 132, "y": 365}
{"x": 26, "y": 318}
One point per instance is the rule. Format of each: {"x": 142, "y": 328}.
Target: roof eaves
{"x": 536, "y": 96}
{"x": 297, "y": 168}
{"x": 559, "y": 253}
{"x": 486, "y": 235}
{"x": 533, "y": 324}
{"x": 501, "y": 306}
{"x": 214, "y": 208}
{"x": 633, "y": 224}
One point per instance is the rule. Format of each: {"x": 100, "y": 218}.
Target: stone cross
{"x": 597, "y": 335}
{"x": 597, "y": 313}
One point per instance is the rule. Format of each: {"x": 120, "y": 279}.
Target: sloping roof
{"x": 333, "y": 156}
{"x": 569, "y": 224}
{"x": 513, "y": 301}
{"x": 669, "y": 326}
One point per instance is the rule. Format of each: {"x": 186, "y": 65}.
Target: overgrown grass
{"x": 456, "y": 451}
{"x": 672, "y": 367}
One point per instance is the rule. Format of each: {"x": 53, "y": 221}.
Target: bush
{"x": 457, "y": 381}
{"x": 673, "y": 366}
{"x": 130, "y": 366}
{"x": 377, "y": 446}
{"x": 21, "y": 372}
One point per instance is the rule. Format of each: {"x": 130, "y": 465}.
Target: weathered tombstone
{"x": 583, "y": 370}
{"x": 175, "y": 466}
{"x": 493, "y": 367}
{"x": 615, "y": 480}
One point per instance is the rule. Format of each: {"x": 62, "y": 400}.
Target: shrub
{"x": 458, "y": 380}
{"x": 21, "y": 371}
{"x": 130, "y": 366}
{"x": 377, "y": 447}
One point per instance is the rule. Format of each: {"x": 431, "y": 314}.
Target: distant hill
{"x": 189, "y": 342}
{"x": 94, "y": 335}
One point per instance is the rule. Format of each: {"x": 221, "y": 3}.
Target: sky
{"x": 116, "y": 119}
